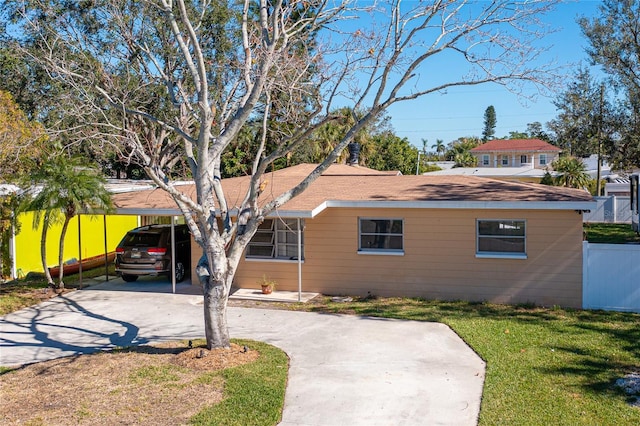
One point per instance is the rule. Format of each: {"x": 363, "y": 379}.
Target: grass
{"x": 33, "y": 289}
{"x": 610, "y": 233}
{"x": 254, "y": 393}
{"x": 15, "y": 297}
{"x": 544, "y": 366}
{"x": 161, "y": 384}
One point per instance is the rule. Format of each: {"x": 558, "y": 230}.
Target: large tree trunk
{"x": 65, "y": 225}
{"x": 215, "y": 314}
{"x": 43, "y": 248}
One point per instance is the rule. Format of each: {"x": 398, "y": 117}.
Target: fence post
{"x": 585, "y": 273}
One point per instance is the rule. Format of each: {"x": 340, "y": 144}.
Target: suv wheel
{"x": 180, "y": 271}
{"x": 129, "y": 278}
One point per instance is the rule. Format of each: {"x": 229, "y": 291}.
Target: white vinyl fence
{"x": 611, "y": 209}
{"x": 611, "y": 277}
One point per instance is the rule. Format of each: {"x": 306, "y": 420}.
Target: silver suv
{"x": 147, "y": 251}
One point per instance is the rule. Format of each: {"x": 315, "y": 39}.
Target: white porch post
{"x": 80, "y": 252}
{"x": 173, "y": 255}
{"x": 106, "y": 248}
{"x": 12, "y": 252}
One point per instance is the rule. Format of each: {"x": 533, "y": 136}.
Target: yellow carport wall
{"x": 27, "y": 241}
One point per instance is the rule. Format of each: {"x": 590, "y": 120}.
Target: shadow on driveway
{"x": 43, "y": 329}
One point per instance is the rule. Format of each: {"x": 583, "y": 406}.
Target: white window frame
{"x": 543, "y": 159}
{"x": 502, "y": 254}
{"x": 505, "y": 160}
{"x": 485, "y": 159}
{"x": 525, "y": 158}
{"x": 376, "y": 250}
{"x": 277, "y": 234}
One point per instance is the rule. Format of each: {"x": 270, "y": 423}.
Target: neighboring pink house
{"x": 534, "y": 153}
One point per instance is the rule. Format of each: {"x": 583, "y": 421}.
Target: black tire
{"x": 180, "y": 271}
{"x": 129, "y": 278}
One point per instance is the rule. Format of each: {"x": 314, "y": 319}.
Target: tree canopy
{"x": 614, "y": 44}
{"x": 571, "y": 172}
{"x": 22, "y": 142}
{"x": 490, "y": 121}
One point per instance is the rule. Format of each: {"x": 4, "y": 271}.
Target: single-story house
{"x": 357, "y": 231}
{"x": 534, "y": 153}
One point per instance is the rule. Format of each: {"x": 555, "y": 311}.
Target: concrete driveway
{"x": 344, "y": 370}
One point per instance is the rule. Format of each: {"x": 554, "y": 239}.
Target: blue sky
{"x": 460, "y": 112}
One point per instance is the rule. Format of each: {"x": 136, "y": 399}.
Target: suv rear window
{"x": 142, "y": 240}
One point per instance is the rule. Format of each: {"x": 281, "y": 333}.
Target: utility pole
{"x": 600, "y": 125}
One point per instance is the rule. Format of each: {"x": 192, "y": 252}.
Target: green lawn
{"x": 254, "y": 393}
{"x": 33, "y": 289}
{"x": 544, "y": 366}
{"x": 610, "y": 233}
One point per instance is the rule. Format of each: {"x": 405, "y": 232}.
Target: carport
{"x": 157, "y": 202}
{"x": 144, "y": 193}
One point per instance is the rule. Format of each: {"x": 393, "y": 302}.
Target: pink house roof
{"x": 519, "y": 145}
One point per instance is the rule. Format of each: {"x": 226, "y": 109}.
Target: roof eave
{"x": 463, "y": 205}
{"x": 484, "y": 205}
{"x": 141, "y": 211}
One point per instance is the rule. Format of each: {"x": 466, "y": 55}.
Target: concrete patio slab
{"x": 276, "y": 296}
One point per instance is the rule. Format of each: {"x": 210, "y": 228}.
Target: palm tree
{"x": 64, "y": 189}
{"x": 439, "y": 147}
{"x": 572, "y": 172}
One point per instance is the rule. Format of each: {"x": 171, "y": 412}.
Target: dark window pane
{"x": 501, "y": 245}
{"x": 260, "y": 251}
{"x": 396, "y": 227}
{"x": 380, "y": 242}
{"x": 262, "y": 237}
{"x": 266, "y": 225}
{"x": 496, "y": 228}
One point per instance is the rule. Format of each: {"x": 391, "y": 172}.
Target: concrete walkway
{"x": 344, "y": 370}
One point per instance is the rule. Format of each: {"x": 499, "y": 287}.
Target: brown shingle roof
{"x": 532, "y": 145}
{"x": 337, "y": 185}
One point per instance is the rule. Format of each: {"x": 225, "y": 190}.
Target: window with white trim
{"x": 505, "y": 160}
{"x": 276, "y": 239}
{"x": 501, "y": 237}
{"x": 380, "y": 235}
{"x": 485, "y": 159}
{"x": 543, "y": 159}
{"x": 523, "y": 159}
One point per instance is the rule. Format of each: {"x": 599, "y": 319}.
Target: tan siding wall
{"x": 439, "y": 260}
